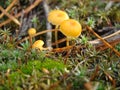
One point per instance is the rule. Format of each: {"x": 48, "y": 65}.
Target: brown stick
{"x": 10, "y": 16}
{"x": 19, "y": 14}
{"x": 8, "y": 8}
{"x": 105, "y": 42}
{"x": 111, "y": 79}
{"x": 103, "y": 47}
{"x": 106, "y": 37}
{"x": 115, "y": 0}
{"x": 62, "y": 49}
{"x": 59, "y": 41}
{"x": 39, "y": 33}
{"x": 95, "y": 73}
{"x": 111, "y": 35}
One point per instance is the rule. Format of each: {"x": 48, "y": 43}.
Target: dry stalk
{"x": 8, "y": 8}
{"x": 25, "y": 11}
{"x": 62, "y": 49}
{"x": 115, "y": 0}
{"x": 106, "y": 37}
{"x": 95, "y": 74}
{"x": 57, "y": 83}
{"x": 105, "y": 42}
{"x": 103, "y": 47}
{"x": 10, "y": 16}
{"x": 111, "y": 35}
{"x": 110, "y": 78}
{"x": 39, "y": 33}
{"x": 59, "y": 41}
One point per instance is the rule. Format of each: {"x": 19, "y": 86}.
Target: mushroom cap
{"x": 57, "y": 16}
{"x": 38, "y": 44}
{"x": 71, "y": 28}
{"x": 31, "y": 31}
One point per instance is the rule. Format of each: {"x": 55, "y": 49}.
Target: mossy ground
{"x": 22, "y": 68}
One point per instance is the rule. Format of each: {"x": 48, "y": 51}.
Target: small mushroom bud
{"x": 38, "y": 44}
{"x": 31, "y": 32}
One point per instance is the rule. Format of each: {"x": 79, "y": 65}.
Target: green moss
{"x": 118, "y": 47}
{"x": 51, "y": 64}
{"x": 11, "y": 64}
{"x": 38, "y": 65}
{"x": 15, "y": 78}
{"x": 28, "y": 68}
{"x": 3, "y": 88}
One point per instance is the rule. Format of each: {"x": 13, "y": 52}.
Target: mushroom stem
{"x": 30, "y": 39}
{"x": 56, "y": 35}
{"x": 31, "y": 33}
{"x": 67, "y": 42}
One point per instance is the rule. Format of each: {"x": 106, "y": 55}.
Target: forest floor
{"x": 90, "y": 61}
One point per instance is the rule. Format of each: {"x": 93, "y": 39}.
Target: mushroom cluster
{"x": 56, "y": 17}
{"x": 69, "y": 27}
{"x": 38, "y": 44}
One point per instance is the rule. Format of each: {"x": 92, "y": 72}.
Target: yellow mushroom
{"x": 38, "y": 45}
{"x": 56, "y": 17}
{"x": 31, "y": 32}
{"x": 71, "y": 29}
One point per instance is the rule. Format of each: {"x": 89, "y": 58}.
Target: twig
{"x": 54, "y": 85}
{"x": 115, "y": 0}
{"x": 109, "y": 5}
{"x": 79, "y": 65}
{"x": 103, "y": 47}
{"x": 10, "y": 16}
{"x": 95, "y": 73}
{"x": 9, "y": 7}
{"x": 105, "y": 42}
{"x": 59, "y": 41}
{"x": 106, "y": 37}
{"x": 39, "y": 33}
{"x": 26, "y": 11}
{"x": 110, "y": 78}
{"x": 62, "y": 49}
{"x": 111, "y": 35}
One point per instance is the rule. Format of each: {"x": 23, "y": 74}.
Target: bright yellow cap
{"x": 31, "y": 31}
{"x": 57, "y": 16}
{"x": 38, "y": 44}
{"x": 71, "y": 28}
